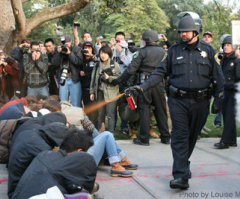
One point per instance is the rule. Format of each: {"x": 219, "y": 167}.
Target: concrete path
{"x": 215, "y": 173}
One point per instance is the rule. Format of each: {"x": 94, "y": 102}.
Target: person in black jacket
{"x": 34, "y": 123}
{"x": 192, "y": 66}
{"x": 17, "y": 53}
{"x": 71, "y": 169}
{"x": 231, "y": 71}
{"x": 89, "y": 62}
{"x": 28, "y": 146}
{"x": 68, "y": 61}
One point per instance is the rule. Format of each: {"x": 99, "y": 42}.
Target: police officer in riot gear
{"x": 143, "y": 64}
{"x": 192, "y": 66}
{"x": 231, "y": 71}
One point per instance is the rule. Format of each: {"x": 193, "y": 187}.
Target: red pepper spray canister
{"x": 131, "y": 101}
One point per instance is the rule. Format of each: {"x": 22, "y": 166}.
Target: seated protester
{"x": 89, "y": 62}
{"x": 36, "y": 67}
{"x": 103, "y": 141}
{"x": 10, "y": 75}
{"x": 28, "y": 146}
{"x": 34, "y": 123}
{"x": 14, "y": 111}
{"x": 71, "y": 169}
{"x": 30, "y": 99}
{"x": 46, "y": 108}
{"x": 54, "y": 97}
{"x": 100, "y": 89}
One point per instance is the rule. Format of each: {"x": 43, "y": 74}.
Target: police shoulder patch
{"x": 136, "y": 54}
{"x": 216, "y": 58}
{"x": 165, "y": 56}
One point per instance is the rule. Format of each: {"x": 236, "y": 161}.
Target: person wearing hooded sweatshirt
{"x": 28, "y": 146}
{"x": 71, "y": 169}
{"x": 36, "y": 122}
{"x": 14, "y": 111}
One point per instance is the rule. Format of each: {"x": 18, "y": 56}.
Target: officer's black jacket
{"x": 75, "y": 60}
{"x": 231, "y": 71}
{"x": 189, "y": 70}
{"x": 145, "y": 60}
{"x": 50, "y": 169}
{"x": 28, "y": 145}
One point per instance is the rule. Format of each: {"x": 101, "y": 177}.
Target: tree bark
{"x": 25, "y": 26}
{"x": 7, "y": 24}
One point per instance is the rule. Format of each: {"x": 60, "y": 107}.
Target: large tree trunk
{"x": 10, "y": 37}
{"x": 7, "y": 22}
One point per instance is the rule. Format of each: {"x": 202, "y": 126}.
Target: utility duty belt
{"x": 140, "y": 78}
{"x": 198, "y": 95}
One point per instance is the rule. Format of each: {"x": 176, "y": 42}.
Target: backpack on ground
{"x": 7, "y": 127}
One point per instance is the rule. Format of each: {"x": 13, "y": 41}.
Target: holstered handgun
{"x": 173, "y": 91}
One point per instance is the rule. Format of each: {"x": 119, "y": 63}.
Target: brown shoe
{"x": 118, "y": 171}
{"x": 128, "y": 165}
{"x": 153, "y": 134}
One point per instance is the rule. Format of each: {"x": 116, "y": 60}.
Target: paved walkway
{"x": 215, "y": 173}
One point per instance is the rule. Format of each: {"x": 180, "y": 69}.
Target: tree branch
{"x": 19, "y": 14}
{"x": 53, "y": 13}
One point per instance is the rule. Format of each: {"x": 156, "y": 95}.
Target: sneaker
{"x": 217, "y": 126}
{"x": 125, "y": 131}
{"x": 203, "y": 132}
{"x": 206, "y": 129}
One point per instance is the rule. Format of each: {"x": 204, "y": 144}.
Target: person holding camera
{"x": 101, "y": 90}
{"x": 68, "y": 61}
{"x": 89, "y": 62}
{"x": 36, "y": 67}
{"x": 17, "y": 53}
{"x": 51, "y": 51}
{"x": 10, "y": 76}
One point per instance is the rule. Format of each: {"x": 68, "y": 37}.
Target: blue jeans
{"x": 74, "y": 90}
{"x": 218, "y": 119}
{"x": 106, "y": 141}
{"x": 38, "y": 91}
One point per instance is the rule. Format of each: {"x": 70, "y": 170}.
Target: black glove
{"x": 134, "y": 90}
{"x": 115, "y": 82}
{"x": 217, "y": 105}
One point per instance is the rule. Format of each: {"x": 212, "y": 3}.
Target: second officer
{"x": 143, "y": 64}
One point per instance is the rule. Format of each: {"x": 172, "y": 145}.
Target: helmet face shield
{"x": 188, "y": 21}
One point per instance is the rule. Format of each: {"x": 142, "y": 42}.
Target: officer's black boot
{"x": 179, "y": 183}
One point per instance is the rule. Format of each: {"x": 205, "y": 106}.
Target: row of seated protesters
{"x": 55, "y": 144}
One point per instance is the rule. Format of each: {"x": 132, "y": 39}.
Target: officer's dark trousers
{"x": 228, "y": 110}
{"x": 188, "y": 118}
{"x": 155, "y": 97}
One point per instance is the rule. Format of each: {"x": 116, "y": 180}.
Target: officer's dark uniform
{"x": 190, "y": 73}
{"x": 231, "y": 71}
{"x": 143, "y": 64}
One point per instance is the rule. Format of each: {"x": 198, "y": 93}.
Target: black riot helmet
{"x": 150, "y": 36}
{"x": 188, "y": 21}
{"x": 227, "y": 40}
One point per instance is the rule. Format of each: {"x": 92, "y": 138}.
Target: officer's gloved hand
{"x": 134, "y": 90}
{"x": 217, "y": 105}
{"x": 115, "y": 82}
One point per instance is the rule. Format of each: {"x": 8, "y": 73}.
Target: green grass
{"x": 214, "y": 132}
